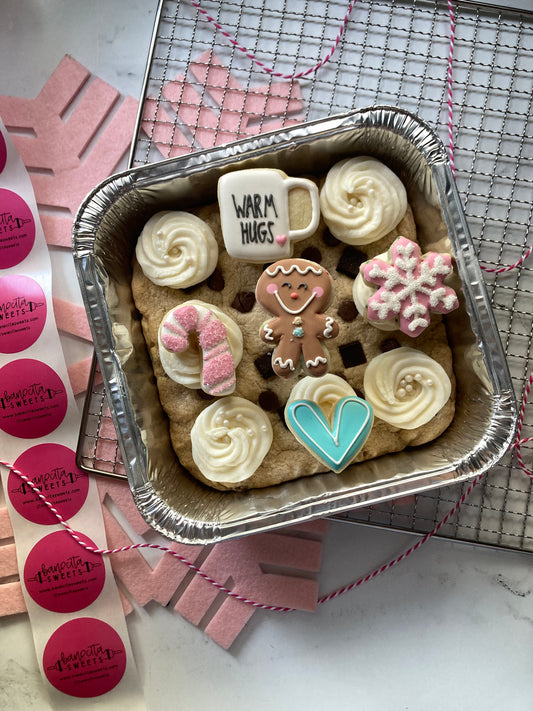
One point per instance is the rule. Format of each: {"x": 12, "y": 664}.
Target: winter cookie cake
{"x": 295, "y": 326}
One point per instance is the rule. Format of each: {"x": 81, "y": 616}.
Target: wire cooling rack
{"x": 201, "y": 90}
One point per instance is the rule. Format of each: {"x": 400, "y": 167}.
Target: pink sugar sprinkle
{"x": 223, "y": 388}
{"x": 176, "y": 344}
{"x": 212, "y": 334}
{"x": 186, "y": 316}
{"x": 216, "y": 351}
{"x": 218, "y": 369}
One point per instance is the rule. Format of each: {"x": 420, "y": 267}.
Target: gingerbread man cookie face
{"x": 297, "y": 291}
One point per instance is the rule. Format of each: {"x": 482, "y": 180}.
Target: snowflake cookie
{"x": 410, "y": 287}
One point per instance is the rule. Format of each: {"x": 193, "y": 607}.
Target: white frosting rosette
{"x": 186, "y": 367}
{"x": 230, "y": 439}
{"x": 176, "y": 249}
{"x": 406, "y": 387}
{"x": 325, "y": 391}
{"x": 362, "y": 291}
{"x": 362, "y": 200}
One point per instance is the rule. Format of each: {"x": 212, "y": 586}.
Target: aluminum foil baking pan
{"x": 104, "y": 236}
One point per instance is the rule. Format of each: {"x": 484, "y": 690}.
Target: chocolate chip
{"x": 263, "y": 363}
{"x": 269, "y": 401}
{"x": 352, "y": 354}
{"x": 329, "y": 240}
{"x": 244, "y": 301}
{"x": 347, "y": 310}
{"x": 190, "y": 289}
{"x": 350, "y": 261}
{"x": 281, "y": 413}
{"x": 389, "y": 344}
{"x": 204, "y": 396}
{"x": 313, "y": 254}
{"x": 216, "y": 280}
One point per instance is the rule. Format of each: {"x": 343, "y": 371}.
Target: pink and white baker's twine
{"x": 135, "y": 546}
{"x": 222, "y": 588}
{"x": 312, "y": 70}
{"x": 248, "y": 53}
{"x": 428, "y": 536}
{"x": 519, "y": 441}
{"x": 451, "y": 142}
{"x": 450, "y": 87}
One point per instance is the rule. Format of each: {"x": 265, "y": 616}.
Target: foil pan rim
{"x": 88, "y": 220}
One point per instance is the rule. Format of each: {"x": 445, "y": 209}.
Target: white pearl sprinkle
{"x": 418, "y": 378}
{"x": 408, "y": 378}
{"x": 401, "y": 392}
{"x": 239, "y": 417}
{"x": 409, "y": 388}
{"x": 226, "y": 423}
{"x": 250, "y": 432}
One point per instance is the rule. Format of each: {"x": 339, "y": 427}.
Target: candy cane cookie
{"x": 200, "y": 347}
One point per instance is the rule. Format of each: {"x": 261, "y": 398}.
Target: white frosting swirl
{"x": 406, "y": 387}
{"x": 362, "y": 291}
{"x": 176, "y": 249}
{"x": 230, "y": 439}
{"x": 325, "y": 391}
{"x": 362, "y": 200}
{"x": 186, "y": 367}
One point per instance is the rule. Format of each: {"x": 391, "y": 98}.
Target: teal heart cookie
{"x": 334, "y": 445}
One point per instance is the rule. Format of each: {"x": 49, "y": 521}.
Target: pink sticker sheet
{"x": 17, "y": 229}
{"x": 56, "y": 475}
{"x": 22, "y": 312}
{"x": 33, "y": 399}
{"x": 59, "y": 181}
{"x": 84, "y": 658}
{"x": 3, "y": 153}
{"x": 39, "y": 424}
{"x": 61, "y": 576}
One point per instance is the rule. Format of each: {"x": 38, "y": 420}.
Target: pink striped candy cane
{"x": 218, "y": 364}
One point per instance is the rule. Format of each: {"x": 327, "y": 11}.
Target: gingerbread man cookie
{"x": 297, "y": 291}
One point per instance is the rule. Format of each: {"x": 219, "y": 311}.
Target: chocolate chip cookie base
{"x": 231, "y": 288}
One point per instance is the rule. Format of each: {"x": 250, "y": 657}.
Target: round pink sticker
{"x": 22, "y": 312}
{"x": 17, "y": 229}
{"x": 61, "y": 576}
{"x": 52, "y": 468}
{"x": 33, "y": 399}
{"x": 3, "y": 153}
{"x": 84, "y": 658}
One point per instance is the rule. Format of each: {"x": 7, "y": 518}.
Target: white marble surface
{"x": 452, "y": 627}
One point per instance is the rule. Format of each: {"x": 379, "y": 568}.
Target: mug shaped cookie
{"x": 296, "y": 291}
{"x": 255, "y": 213}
